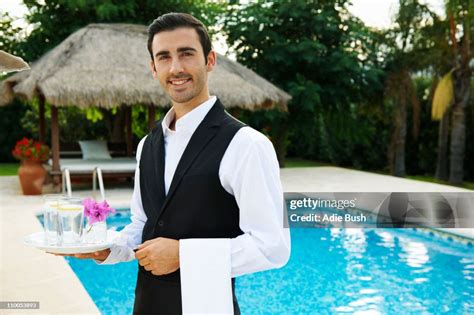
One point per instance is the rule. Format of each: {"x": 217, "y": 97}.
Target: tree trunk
{"x": 397, "y": 150}
{"x": 458, "y": 139}
{"x": 458, "y": 132}
{"x": 443, "y": 137}
{"x": 462, "y": 84}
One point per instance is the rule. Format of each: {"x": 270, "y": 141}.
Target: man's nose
{"x": 176, "y": 66}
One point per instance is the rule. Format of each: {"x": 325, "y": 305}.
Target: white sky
{"x": 378, "y": 13}
{"x": 375, "y": 13}
{"x": 16, "y": 8}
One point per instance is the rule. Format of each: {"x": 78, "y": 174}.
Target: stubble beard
{"x": 196, "y": 89}
{"x": 183, "y": 97}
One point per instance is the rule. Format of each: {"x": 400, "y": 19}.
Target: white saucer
{"x": 37, "y": 240}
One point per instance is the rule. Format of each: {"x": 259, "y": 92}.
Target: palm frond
{"x": 443, "y": 96}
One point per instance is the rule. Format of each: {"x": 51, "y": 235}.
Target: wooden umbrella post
{"x": 128, "y": 126}
{"x": 151, "y": 117}
{"x": 56, "y": 172}
{"x": 42, "y": 132}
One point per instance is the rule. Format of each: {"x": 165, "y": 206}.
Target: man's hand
{"x": 100, "y": 255}
{"x": 160, "y": 256}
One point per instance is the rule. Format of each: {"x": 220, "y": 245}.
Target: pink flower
{"x": 88, "y": 204}
{"x": 97, "y": 215}
{"x": 96, "y": 211}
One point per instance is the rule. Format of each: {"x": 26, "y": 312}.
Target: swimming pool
{"x": 330, "y": 271}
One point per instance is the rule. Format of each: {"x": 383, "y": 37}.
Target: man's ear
{"x": 153, "y": 69}
{"x": 211, "y": 60}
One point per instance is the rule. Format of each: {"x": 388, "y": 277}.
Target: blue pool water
{"x": 342, "y": 271}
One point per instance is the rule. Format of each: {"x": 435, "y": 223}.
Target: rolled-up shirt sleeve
{"x": 131, "y": 236}
{"x": 250, "y": 171}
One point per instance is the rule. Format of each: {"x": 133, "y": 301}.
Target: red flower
{"x": 28, "y": 149}
{"x": 25, "y": 141}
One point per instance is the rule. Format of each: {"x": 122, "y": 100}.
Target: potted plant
{"x": 31, "y": 172}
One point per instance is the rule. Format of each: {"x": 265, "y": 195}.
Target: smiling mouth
{"x": 179, "y": 82}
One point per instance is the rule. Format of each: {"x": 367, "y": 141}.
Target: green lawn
{"x": 8, "y": 169}
{"x": 295, "y": 162}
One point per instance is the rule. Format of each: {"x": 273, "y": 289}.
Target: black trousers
{"x": 162, "y": 295}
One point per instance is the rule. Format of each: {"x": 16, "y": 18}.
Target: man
{"x": 202, "y": 175}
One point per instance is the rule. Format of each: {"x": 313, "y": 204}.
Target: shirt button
{"x": 161, "y": 223}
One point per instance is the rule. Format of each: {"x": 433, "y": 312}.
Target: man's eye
{"x": 163, "y": 57}
{"x": 187, "y": 54}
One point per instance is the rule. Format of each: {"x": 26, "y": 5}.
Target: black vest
{"x": 196, "y": 206}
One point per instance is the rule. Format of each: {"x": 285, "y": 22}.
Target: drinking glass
{"x": 51, "y": 218}
{"x": 71, "y": 218}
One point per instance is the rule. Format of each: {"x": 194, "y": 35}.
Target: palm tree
{"x": 405, "y": 59}
{"x": 452, "y": 94}
{"x": 461, "y": 78}
{"x": 401, "y": 92}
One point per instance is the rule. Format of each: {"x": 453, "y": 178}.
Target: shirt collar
{"x": 190, "y": 121}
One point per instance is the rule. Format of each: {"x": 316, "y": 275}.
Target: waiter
{"x": 201, "y": 174}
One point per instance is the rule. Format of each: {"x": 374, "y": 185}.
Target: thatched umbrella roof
{"x": 10, "y": 63}
{"x": 107, "y": 65}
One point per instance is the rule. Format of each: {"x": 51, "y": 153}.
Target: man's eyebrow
{"x": 162, "y": 52}
{"x": 180, "y": 49}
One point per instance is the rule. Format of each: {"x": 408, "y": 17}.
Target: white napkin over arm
{"x": 205, "y": 267}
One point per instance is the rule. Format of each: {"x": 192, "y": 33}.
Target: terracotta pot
{"x": 32, "y": 176}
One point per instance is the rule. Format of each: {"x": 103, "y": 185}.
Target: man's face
{"x": 179, "y": 65}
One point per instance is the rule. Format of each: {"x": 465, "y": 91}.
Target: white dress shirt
{"x": 249, "y": 171}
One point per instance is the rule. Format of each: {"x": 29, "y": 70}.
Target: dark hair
{"x": 172, "y": 21}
